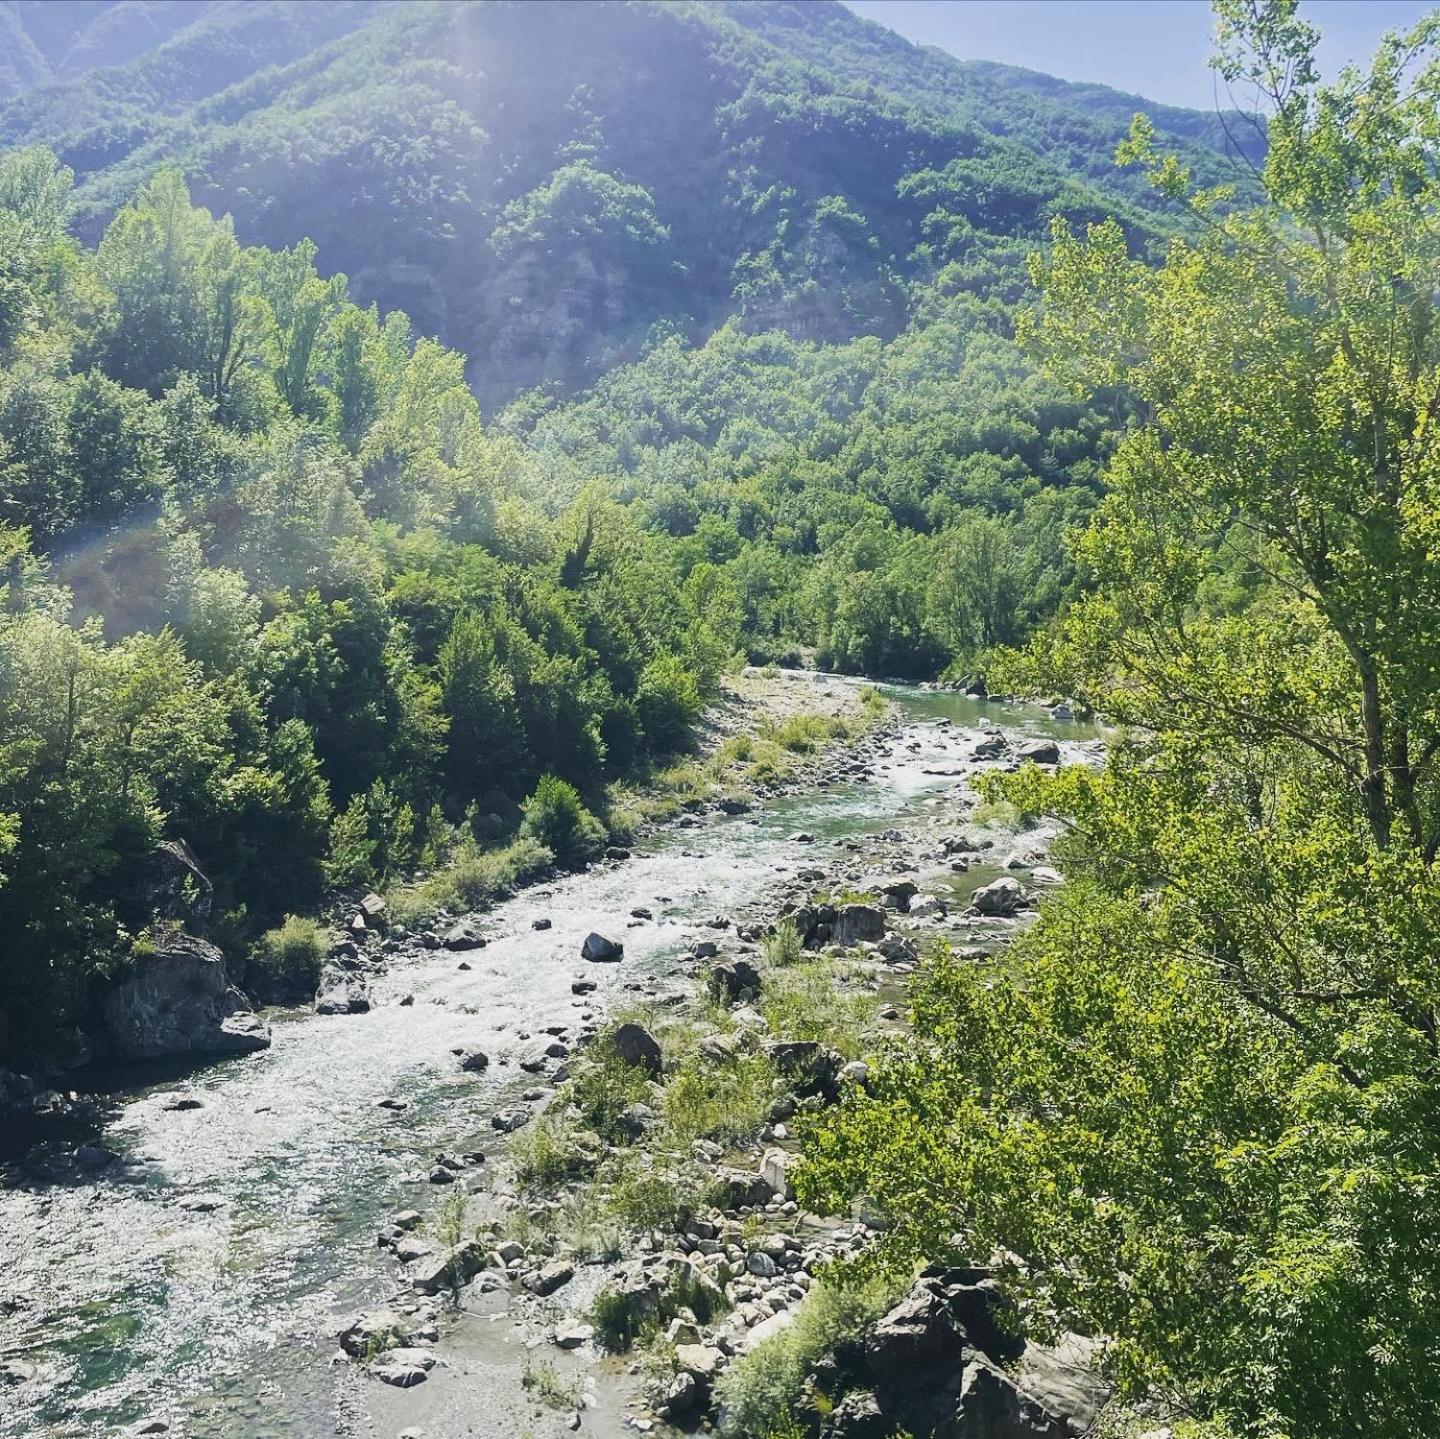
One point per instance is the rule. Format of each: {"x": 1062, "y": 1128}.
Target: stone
{"x": 461, "y": 937}
{"x": 735, "y": 979}
{"x": 375, "y": 1330}
{"x": 767, "y": 1329}
{"x": 681, "y": 1394}
{"x": 401, "y": 1375}
{"x": 177, "y": 1000}
{"x": 927, "y": 906}
{"x": 857, "y": 924}
{"x": 898, "y": 892}
{"x": 541, "y": 923}
{"x": 373, "y": 908}
{"x": 510, "y": 1119}
{"x": 1039, "y": 751}
{"x": 802, "y": 837}
{"x": 761, "y": 1265}
{"x": 999, "y": 898}
{"x": 341, "y": 995}
{"x": 701, "y": 1360}
{"x": 992, "y": 1404}
{"x": 574, "y": 1335}
{"x": 919, "y": 1333}
{"x": 774, "y": 1166}
{"x": 472, "y": 1061}
{"x": 597, "y": 949}
{"x": 448, "y": 1271}
{"x": 637, "y": 1046}
{"x": 553, "y": 1276}
{"x": 583, "y": 986}
{"x": 203, "y": 1203}
{"x": 744, "y": 1191}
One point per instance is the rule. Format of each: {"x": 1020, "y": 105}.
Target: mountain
{"x": 542, "y": 186}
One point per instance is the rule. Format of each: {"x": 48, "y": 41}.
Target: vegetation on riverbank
{"x": 1197, "y": 1108}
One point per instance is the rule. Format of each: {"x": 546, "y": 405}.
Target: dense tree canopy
{"x": 1198, "y": 1106}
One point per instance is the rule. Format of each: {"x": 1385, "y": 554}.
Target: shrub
{"x": 727, "y": 1102}
{"x": 289, "y": 957}
{"x": 473, "y": 879}
{"x": 556, "y": 818}
{"x": 760, "y": 1392}
{"x": 782, "y": 946}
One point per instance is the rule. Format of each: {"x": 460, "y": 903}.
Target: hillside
{"x": 541, "y": 186}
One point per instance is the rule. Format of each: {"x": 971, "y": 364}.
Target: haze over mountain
{"x": 541, "y": 185}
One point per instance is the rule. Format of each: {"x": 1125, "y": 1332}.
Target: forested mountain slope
{"x": 541, "y": 185}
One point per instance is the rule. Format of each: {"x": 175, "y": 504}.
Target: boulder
{"x": 927, "y": 906}
{"x": 552, "y": 1277}
{"x": 373, "y": 909}
{"x": 463, "y": 936}
{"x": 375, "y": 1330}
{"x": 177, "y": 1000}
{"x": 898, "y": 892}
{"x": 999, "y": 898}
{"x": 1039, "y": 751}
{"x": 637, "y": 1046}
{"x": 774, "y": 1170}
{"x": 734, "y": 979}
{"x": 573, "y": 1335}
{"x": 472, "y": 1061}
{"x": 597, "y": 949}
{"x": 857, "y": 924}
{"x": 448, "y": 1271}
{"x": 991, "y": 747}
{"x": 341, "y": 994}
{"x": 992, "y": 1406}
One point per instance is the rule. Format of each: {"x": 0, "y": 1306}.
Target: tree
{"x": 1198, "y": 1105}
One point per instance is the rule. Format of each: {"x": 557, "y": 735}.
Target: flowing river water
{"x": 204, "y": 1275}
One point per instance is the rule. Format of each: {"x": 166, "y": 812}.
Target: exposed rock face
{"x": 177, "y": 1000}
{"x": 941, "y": 1362}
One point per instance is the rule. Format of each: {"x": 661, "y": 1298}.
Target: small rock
{"x": 572, "y": 1336}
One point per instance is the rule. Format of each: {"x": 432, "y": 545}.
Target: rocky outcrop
{"x": 943, "y": 1362}
{"x": 176, "y": 1000}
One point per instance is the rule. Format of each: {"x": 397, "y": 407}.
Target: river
{"x": 224, "y": 1315}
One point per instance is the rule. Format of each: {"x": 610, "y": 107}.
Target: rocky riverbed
{"x": 200, "y": 1267}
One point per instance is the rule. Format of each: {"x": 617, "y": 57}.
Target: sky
{"x": 1154, "y": 48}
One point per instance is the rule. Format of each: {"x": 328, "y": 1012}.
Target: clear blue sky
{"x": 1154, "y": 48}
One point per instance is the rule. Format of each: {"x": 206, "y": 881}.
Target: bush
{"x": 556, "y": 818}
{"x": 783, "y": 946}
{"x": 727, "y": 1102}
{"x": 288, "y": 958}
{"x": 762, "y": 1389}
{"x": 473, "y": 879}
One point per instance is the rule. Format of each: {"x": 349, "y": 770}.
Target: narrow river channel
{"x": 206, "y": 1273}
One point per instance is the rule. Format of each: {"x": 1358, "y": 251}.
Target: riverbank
{"x": 202, "y": 1278}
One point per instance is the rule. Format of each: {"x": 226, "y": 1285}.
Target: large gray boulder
{"x": 857, "y": 923}
{"x": 178, "y": 1000}
{"x": 999, "y": 898}
{"x": 637, "y": 1046}
{"x": 598, "y": 949}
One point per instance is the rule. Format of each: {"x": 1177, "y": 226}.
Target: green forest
{"x": 410, "y": 414}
